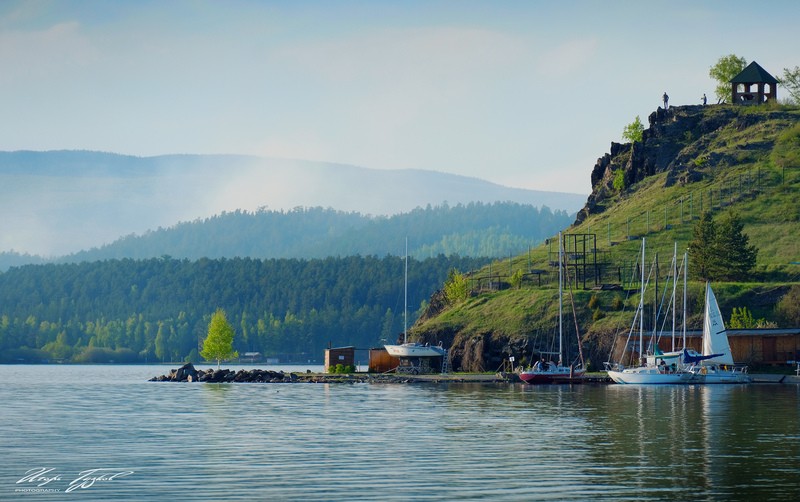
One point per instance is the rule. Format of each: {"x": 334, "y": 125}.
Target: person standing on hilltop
{"x": 704, "y": 99}
{"x": 666, "y": 101}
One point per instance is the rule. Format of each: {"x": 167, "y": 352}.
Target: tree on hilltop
{"x": 726, "y": 68}
{"x": 791, "y": 82}
{"x": 633, "y": 131}
{"x": 218, "y": 344}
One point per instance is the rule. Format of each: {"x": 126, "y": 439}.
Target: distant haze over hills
{"x": 59, "y": 202}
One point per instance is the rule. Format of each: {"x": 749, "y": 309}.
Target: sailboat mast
{"x": 674, "y": 290}
{"x": 405, "y": 297}
{"x": 560, "y": 302}
{"x": 685, "y": 280}
{"x": 641, "y": 311}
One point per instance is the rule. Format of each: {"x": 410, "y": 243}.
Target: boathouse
{"x": 757, "y": 347}
{"x": 742, "y": 86}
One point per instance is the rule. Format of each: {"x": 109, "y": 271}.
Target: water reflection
{"x": 404, "y": 442}
{"x": 727, "y": 441}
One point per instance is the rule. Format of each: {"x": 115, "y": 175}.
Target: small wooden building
{"x": 742, "y": 92}
{"x": 346, "y": 356}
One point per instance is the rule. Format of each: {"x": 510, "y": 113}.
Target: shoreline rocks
{"x": 188, "y": 373}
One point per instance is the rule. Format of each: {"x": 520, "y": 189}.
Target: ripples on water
{"x": 396, "y": 442}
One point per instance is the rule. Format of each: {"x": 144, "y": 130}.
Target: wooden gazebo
{"x": 754, "y": 75}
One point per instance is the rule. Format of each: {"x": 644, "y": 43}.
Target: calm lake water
{"x": 168, "y": 441}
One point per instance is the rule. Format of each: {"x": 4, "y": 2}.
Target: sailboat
{"x": 550, "y": 371}
{"x": 412, "y": 349}
{"x": 653, "y": 369}
{"x": 715, "y": 364}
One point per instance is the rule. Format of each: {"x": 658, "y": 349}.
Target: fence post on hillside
{"x": 665, "y": 216}
{"x": 710, "y": 200}
{"x": 608, "y": 233}
{"x": 681, "y": 211}
{"x": 628, "y": 230}
{"x": 648, "y": 222}
{"x": 691, "y": 206}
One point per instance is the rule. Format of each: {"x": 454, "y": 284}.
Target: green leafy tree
{"x": 701, "y": 247}
{"x": 456, "y": 289}
{"x": 161, "y": 343}
{"x": 734, "y": 254}
{"x": 723, "y": 71}
{"x": 633, "y": 131}
{"x": 741, "y": 318}
{"x": 218, "y": 344}
{"x": 791, "y": 82}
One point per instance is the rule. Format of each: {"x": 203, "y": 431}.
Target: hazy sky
{"x": 523, "y": 93}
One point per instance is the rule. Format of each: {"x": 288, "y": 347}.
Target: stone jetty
{"x": 188, "y": 373}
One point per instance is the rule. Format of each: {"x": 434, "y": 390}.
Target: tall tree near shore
{"x": 726, "y": 68}
{"x": 218, "y": 344}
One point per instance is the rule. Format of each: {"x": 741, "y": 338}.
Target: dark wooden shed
{"x": 766, "y": 86}
{"x": 345, "y": 356}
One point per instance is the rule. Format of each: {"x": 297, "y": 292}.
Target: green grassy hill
{"x": 690, "y": 160}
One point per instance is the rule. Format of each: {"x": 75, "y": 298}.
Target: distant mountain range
{"x": 61, "y": 202}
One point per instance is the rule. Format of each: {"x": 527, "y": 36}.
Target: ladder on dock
{"x": 445, "y": 363}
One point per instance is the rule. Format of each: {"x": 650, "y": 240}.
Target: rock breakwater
{"x": 188, "y": 373}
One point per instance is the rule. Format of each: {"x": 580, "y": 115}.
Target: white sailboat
{"x": 550, "y": 371}
{"x": 715, "y": 364}
{"x": 412, "y": 349}
{"x": 650, "y": 370}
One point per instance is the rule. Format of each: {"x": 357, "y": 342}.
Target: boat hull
{"x": 648, "y": 376}
{"x": 562, "y": 375}
{"x": 719, "y": 376}
{"x": 414, "y": 350}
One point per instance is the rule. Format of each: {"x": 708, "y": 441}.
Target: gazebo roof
{"x": 754, "y": 74}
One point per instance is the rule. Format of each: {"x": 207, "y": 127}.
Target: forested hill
{"x": 159, "y": 309}
{"x": 475, "y": 229}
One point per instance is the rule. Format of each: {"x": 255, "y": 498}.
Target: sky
{"x": 527, "y": 94}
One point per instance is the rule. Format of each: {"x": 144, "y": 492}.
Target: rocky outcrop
{"x": 677, "y": 141}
